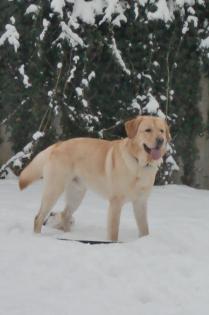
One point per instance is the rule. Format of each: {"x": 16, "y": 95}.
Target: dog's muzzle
{"x": 154, "y": 153}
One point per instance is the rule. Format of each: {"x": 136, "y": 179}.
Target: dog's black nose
{"x": 159, "y": 142}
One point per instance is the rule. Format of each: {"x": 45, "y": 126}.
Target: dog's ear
{"x": 168, "y": 135}
{"x": 132, "y": 126}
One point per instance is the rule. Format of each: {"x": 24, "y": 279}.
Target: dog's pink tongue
{"x": 155, "y": 154}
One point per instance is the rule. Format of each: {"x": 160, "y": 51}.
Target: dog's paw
{"x": 50, "y": 220}
{"x": 57, "y": 221}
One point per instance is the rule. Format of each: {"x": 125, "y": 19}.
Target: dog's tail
{"x": 34, "y": 170}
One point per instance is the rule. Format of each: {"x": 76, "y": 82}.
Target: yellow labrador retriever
{"x": 121, "y": 171}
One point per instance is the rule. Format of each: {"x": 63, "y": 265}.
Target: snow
{"x": 190, "y": 19}
{"x": 46, "y": 24}
{"x": 91, "y": 76}
{"x": 86, "y": 10}
{"x": 162, "y": 12}
{"x": 12, "y": 19}
{"x": 205, "y": 43}
{"x": 11, "y": 34}
{"x": 170, "y": 160}
{"x": 113, "y": 7}
{"x": 72, "y": 71}
{"x": 70, "y": 36}
{"x": 79, "y": 91}
{"x": 85, "y": 82}
{"x": 57, "y": 6}
{"x": 135, "y": 104}
{"x": 37, "y": 135}
{"x": 32, "y": 8}
{"x": 142, "y": 2}
{"x": 59, "y": 65}
{"x": 181, "y": 3}
{"x": 85, "y": 103}
{"x": 165, "y": 273}
{"x": 24, "y": 76}
{"x": 152, "y": 105}
{"x": 136, "y": 10}
{"x": 117, "y": 54}
{"x": 71, "y": 74}
{"x": 17, "y": 159}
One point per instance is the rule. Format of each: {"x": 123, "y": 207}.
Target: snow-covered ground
{"x": 165, "y": 273}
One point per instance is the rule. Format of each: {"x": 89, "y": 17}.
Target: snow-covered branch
{"x": 117, "y": 54}
{"x": 17, "y": 161}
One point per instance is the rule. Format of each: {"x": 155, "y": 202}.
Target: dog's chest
{"x": 143, "y": 180}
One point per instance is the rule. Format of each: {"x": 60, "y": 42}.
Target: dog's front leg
{"x": 140, "y": 213}
{"x": 114, "y": 212}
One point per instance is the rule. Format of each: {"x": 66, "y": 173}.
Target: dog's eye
{"x": 148, "y": 130}
{"x": 161, "y": 130}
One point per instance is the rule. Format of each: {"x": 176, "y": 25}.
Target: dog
{"x": 119, "y": 170}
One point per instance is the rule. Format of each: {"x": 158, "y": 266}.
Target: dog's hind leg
{"x": 54, "y": 184}
{"x": 74, "y": 194}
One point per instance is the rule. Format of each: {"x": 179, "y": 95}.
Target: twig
{"x": 11, "y": 114}
{"x": 170, "y": 70}
{"x": 46, "y": 117}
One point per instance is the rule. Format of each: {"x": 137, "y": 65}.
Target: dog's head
{"x": 150, "y": 134}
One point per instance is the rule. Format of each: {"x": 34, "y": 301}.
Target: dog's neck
{"x": 137, "y": 155}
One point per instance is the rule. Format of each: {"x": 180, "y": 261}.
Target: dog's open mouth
{"x": 153, "y": 152}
